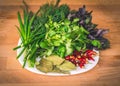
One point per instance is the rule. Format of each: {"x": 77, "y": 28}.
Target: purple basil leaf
{"x": 98, "y": 32}
{"x": 101, "y": 32}
{"x": 82, "y": 10}
{"x": 91, "y": 37}
{"x": 104, "y": 32}
{"x": 81, "y": 22}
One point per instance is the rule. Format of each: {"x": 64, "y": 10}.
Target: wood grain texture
{"x": 107, "y": 72}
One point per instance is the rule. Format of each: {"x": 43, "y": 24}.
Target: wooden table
{"x": 106, "y": 73}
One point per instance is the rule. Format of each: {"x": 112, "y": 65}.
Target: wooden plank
{"x": 76, "y": 2}
{"x": 106, "y": 73}
{"x": 97, "y": 75}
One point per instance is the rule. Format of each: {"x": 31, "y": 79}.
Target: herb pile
{"x": 56, "y": 30}
{"x": 95, "y": 34}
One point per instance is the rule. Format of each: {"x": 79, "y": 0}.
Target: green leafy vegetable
{"x": 96, "y": 43}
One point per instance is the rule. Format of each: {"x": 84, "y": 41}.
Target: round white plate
{"x": 78, "y": 70}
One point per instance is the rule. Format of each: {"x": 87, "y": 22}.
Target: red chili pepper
{"x": 90, "y": 58}
{"x": 81, "y": 58}
{"x": 84, "y": 60}
{"x": 81, "y": 65}
{"x": 67, "y": 57}
{"x": 88, "y": 51}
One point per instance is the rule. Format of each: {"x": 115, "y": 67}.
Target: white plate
{"x": 78, "y": 70}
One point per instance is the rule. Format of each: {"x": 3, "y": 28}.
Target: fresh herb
{"x": 95, "y": 34}
{"x": 63, "y": 37}
{"x": 29, "y": 40}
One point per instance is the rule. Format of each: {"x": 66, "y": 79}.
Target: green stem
{"x": 25, "y": 59}
{"x": 21, "y": 53}
{"x": 17, "y": 47}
